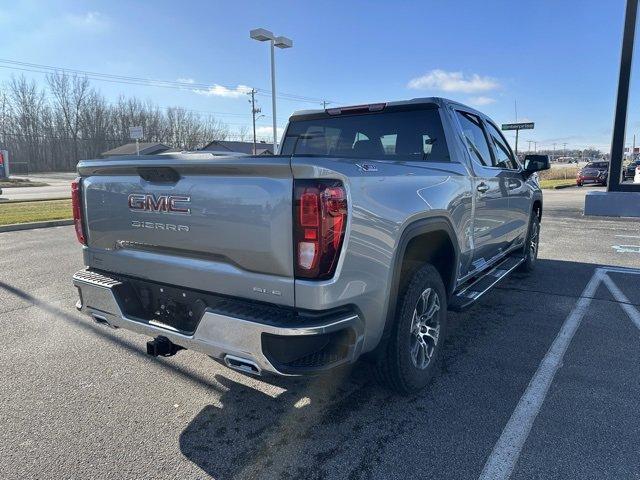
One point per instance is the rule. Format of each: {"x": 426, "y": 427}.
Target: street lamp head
{"x": 261, "y": 34}
{"x": 283, "y": 42}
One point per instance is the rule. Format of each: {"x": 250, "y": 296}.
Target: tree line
{"x": 51, "y": 128}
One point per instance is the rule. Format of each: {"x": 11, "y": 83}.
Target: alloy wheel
{"x": 425, "y": 328}
{"x": 533, "y": 242}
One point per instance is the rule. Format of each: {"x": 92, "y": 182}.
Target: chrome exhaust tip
{"x": 242, "y": 365}
{"x": 100, "y": 319}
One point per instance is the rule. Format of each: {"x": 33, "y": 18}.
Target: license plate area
{"x": 160, "y": 305}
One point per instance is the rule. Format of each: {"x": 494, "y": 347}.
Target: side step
{"x": 472, "y": 292}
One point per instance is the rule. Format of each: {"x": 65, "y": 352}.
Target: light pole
{"x": 263, "y": 35}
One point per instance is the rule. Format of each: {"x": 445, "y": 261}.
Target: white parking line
{"x": 506, "y": 451}
{"x": 626, "y": 248}
{"x": 630, "y": 310}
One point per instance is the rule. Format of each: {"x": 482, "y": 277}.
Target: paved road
{"x": 78, "y": 400}
{"x": 58, "y": 186}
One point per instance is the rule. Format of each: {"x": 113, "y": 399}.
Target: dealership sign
{"x": 517, "y": 126}
{"x": 135, "y": 133}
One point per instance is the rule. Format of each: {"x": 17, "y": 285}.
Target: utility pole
{"x": 554, "y": 152}
{"x": 535, "y": 146}
{"x": 564, "y": 149}
{"x": 254, "y": 110}
{"x": 529, "y": 149}
{"x": 324, "y": 104}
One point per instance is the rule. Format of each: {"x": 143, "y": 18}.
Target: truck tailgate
{"x": 217, "y": 225}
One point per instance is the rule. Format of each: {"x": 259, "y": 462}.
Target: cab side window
{"x": 503, "y": 156}
{"x": 475, "y": 137}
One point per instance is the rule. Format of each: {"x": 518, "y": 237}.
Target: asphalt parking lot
{"x": 541, "y": 379}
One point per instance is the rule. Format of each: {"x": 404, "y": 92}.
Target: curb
{"x": 560, "y": 187}
{"x": 28, "y": 226}
{"x": 2, "y": 200}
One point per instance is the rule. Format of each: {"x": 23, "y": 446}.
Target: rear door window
{"x": 392, "y": 134}
{"x": 503, "y": 155}
{"x": 475, "y": 137}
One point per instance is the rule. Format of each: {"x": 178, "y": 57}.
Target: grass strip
{"x": 20, "y": 182}
{"x": 24, "y": 212}
{"x": 557, "y": 183}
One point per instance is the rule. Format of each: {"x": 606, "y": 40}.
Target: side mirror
{"x": 536, "y": 163}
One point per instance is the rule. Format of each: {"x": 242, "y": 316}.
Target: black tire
{"x": 530, "y": 250}
{"x": 397, "y": 367}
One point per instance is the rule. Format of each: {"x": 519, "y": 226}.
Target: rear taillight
{"x": 76, "y": 204}
{"x": 320, "y": 220}
{"x": 1, "y": 159}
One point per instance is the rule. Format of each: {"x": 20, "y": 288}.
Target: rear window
{"x": 393, "y": 135}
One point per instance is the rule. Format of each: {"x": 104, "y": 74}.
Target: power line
{"x": 131, "y": 80}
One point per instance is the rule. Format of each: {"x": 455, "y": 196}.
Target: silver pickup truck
{"x": 354, "y": 241}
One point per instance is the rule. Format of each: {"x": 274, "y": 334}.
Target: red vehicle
{"x": 593, "y": 172}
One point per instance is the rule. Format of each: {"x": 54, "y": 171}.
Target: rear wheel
{"x": 531, "y": 245}
{"x": 413, "y": 350}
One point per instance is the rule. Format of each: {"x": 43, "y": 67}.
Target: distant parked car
{"x": 636, "y": 178}
{"x": 630, "y": 170}
{"x": 593, "y": 172}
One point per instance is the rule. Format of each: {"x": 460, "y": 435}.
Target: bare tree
{"x": 243, "y": 133}
{"x": 70, "y": 94}
{"x": 54, "y": 128}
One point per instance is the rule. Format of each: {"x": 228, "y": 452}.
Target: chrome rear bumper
{"x": 217, "y": 335}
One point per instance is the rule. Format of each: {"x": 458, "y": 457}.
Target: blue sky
{"x": 557, "y": 59}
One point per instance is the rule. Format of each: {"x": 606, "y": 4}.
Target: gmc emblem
{"x": 147, "y": 202}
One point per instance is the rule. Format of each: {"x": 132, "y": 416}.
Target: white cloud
{"x": 480, "y": 101}
{"x": 222, "y": 91}
{"x": 265, "y": 131}
{"x": 453, "y": 82}
{"x": 91, "y": 21}
{"x": 188, "y": 81}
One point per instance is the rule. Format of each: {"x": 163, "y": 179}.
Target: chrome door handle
{"x": 483, "y": 188}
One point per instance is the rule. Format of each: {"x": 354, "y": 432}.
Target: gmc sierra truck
{"x": 354, "y": 241}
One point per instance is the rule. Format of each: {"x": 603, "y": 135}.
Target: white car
{"x": 636, "y": 178}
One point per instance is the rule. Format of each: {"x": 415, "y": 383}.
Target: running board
{"x": 472, "y": 292}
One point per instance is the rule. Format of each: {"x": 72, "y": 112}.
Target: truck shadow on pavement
{"x": 106, "y": 333}
{"x": 344, "y": 425}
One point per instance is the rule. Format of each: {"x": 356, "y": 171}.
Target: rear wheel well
{"x": 430, "y": 241}
{"x": 435, "y": 248}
